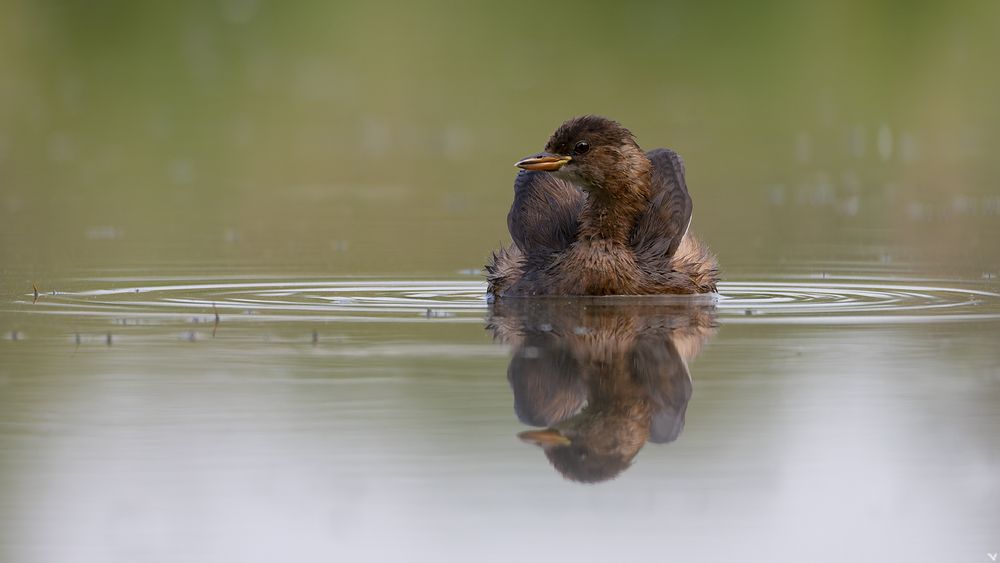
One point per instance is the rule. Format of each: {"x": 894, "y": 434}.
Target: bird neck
{"x": 612, "y": 210}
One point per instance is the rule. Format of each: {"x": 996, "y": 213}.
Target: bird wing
{"x": 545, "y": 214}
{"x": 664, "y": 223}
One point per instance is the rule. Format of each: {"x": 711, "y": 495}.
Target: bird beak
{"x": 544, "y": 161}
{"x": 548, "y": 438}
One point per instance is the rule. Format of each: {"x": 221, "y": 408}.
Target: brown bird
{"x": 595, "y": 215}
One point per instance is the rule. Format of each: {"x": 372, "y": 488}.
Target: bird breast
{"x": 599, "y": 267}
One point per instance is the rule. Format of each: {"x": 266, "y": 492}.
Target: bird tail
{"x": 503, "y": 269}
{"x": 694, "y": 259}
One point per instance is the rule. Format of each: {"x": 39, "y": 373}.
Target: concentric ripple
{"x": 786, "y": 300}
{"x": 831, "y": 302}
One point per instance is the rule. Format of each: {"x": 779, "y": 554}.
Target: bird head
{"x": 595, "y": 153}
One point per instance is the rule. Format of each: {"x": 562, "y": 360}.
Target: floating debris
{"x": 433, "y": 314}
{"x": 215, "y": 325}
{"x": 35, "y": 289}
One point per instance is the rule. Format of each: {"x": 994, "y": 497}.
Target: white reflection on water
{"x": 803, "y": 300}
{"x": 827, "y": 444}
{"x": 322, "y": 423}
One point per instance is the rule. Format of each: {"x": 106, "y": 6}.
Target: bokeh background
{"x": 371, "y": 137}
{"x": 160, "y": 158}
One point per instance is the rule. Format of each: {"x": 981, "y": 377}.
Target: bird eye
{"x": 581, "y": 147}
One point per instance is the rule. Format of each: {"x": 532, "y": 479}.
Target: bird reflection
{"x": 602, "y": 377}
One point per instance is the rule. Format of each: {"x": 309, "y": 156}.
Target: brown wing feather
{"x": 662, "y": 226}
{"x": 545, "y": 213}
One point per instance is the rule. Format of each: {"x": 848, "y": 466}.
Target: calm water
{"x": 260, "y": 332}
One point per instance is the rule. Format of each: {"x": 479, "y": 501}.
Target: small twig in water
{"x": 35, "y": 289}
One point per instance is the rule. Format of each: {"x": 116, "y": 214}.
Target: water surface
{"x": 260, "y": 334}
{"x": 195, "y": 419}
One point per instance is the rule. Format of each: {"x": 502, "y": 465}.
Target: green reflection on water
{"x": 353, "y": 138}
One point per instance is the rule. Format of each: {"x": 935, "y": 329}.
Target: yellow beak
{"x": 545, "y": 162}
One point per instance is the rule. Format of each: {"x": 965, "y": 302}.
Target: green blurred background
{"x": 160, "y": 147}
{"x": 362, "y": 138}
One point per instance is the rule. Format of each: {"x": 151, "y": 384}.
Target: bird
{"x": 596, "y": 215}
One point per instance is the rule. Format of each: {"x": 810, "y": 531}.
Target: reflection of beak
{"x": 548, "y": 438}
{"x": 544, "y": 161}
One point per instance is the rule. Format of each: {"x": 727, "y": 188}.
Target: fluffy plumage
{"x": 612, "y": 220}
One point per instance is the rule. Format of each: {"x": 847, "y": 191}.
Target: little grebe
{"x": 595, "y": 215}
